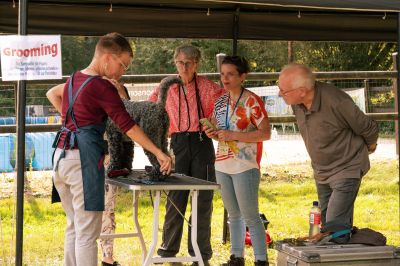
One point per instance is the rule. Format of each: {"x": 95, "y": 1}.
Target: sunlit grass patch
{"x": 286, "y": 194}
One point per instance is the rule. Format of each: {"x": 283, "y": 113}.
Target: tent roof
{"x": 346, "y": 20}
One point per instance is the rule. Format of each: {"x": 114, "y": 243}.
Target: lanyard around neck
{"x": 227, "y": 121}
{"x": 200, "y": 111}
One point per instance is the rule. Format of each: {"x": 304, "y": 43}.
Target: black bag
{"x": 367, "y": 236}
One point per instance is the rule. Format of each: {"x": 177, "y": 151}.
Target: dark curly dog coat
{"x": 153, "y": 119}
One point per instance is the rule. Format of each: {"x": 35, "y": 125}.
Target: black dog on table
{"x": 153, "y": 119}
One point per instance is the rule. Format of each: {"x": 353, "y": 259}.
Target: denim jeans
{"x": 240, "y": 196}
{"x": 337, "y": 201}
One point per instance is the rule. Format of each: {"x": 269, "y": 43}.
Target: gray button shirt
{"x": 336, "y": 133}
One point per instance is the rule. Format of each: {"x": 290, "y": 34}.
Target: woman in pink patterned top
{"x": 242, "y": 123}
{"x": 193, "y": 150}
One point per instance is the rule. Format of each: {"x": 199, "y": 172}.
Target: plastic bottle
{"x": 315, "y": 220}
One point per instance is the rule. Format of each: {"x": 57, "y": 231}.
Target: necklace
{"x": 227, "y": 121}
{"x": 200, "y": 111}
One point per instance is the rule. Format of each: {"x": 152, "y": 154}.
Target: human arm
{"x": 263, "y": 132}
{"x": 137, "y": 135}
{"x": 121, "y": 89}
{"x": 54, "y": 95}
{"x": 372, "y": 147}
{"x": 359, "y": 123}
{"x": 154, "y": 95}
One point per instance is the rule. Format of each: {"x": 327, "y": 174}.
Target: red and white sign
{"x": 32, "y": 57}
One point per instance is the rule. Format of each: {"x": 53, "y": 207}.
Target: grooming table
{"x": 135, "y": 183}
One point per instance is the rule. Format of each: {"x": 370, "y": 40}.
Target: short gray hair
{"x": 305, "y": 77}
{"x": 189, "y": 50}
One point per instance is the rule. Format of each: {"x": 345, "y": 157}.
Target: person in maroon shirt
{"x": 85, "y": 102}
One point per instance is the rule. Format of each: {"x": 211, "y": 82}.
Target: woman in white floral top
{"x": 242, "y": 125}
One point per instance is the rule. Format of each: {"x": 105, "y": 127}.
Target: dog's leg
{"x": 128, "y": 153}
{"x": 115, "y": 149}
{"x": 155, "y": 173}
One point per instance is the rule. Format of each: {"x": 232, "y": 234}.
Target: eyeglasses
{"x": 184, "y": 64}
{"x": 285, "y": 93}
{"x": 120, "y": 62}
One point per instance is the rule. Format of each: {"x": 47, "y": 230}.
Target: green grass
{"x": 285, "y": 197}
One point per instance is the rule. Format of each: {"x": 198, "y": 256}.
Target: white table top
{"x": 173, "y": 182}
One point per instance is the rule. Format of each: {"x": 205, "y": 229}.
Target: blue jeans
{"x": 240, "y": 196}
{"x": 337, "y": 203}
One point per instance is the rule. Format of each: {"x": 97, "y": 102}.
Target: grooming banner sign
{"x": 32, "y": 57}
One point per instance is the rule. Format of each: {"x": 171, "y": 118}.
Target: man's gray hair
{"x": 304, "y": 78}
{"x": 190, "y": 51}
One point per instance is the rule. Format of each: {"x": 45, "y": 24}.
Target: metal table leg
{"x": 194, "y": 229}
{"x": 136, "y": 222}
{"x": 138, "y": 232}
{"x": 149, "y": 257}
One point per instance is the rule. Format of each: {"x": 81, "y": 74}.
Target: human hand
{"x": 208, "y": 128}
{"x": 210, "y": 132}
{"x": 119, "y": 85}
{"x": 372, "y": 148}
{"x": 226, "y": 135}
{"x": 165, "y": 163}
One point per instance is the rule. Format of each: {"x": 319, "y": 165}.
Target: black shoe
{"x": 261, "y": 263}
{"x": 234, "y": 261}
{"x": 115, "y": 263}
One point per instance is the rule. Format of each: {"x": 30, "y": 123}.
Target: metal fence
{"x": 378, "y": 87}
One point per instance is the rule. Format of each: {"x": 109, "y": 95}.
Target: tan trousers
{"x": 83, "y": 227}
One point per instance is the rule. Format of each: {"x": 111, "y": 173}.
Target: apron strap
{"x": 62, "y": 154}
{"x": 70, "y": 137}
{"x": 72, "y": 98}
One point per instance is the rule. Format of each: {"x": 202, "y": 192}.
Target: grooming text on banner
{"x": 32, "y": 57}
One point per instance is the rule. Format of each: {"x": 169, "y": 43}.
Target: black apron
{"x": 91, "y": 149}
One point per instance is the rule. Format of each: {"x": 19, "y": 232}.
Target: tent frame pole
{"x": 398, "y": 88}
{"x": 235, "y": 31}
{"x": 20, "y": 130}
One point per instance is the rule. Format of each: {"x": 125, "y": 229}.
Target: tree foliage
{"x": 344, "y": 56}
{"x": 77, "y": 52}
{"x": 155, "y": 56}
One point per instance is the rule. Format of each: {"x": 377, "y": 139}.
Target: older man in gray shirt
{"x": 338, "y": 137}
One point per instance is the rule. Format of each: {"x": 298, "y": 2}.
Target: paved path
{"x": 284, "y": 150}
{"x": 288, "y": 149}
